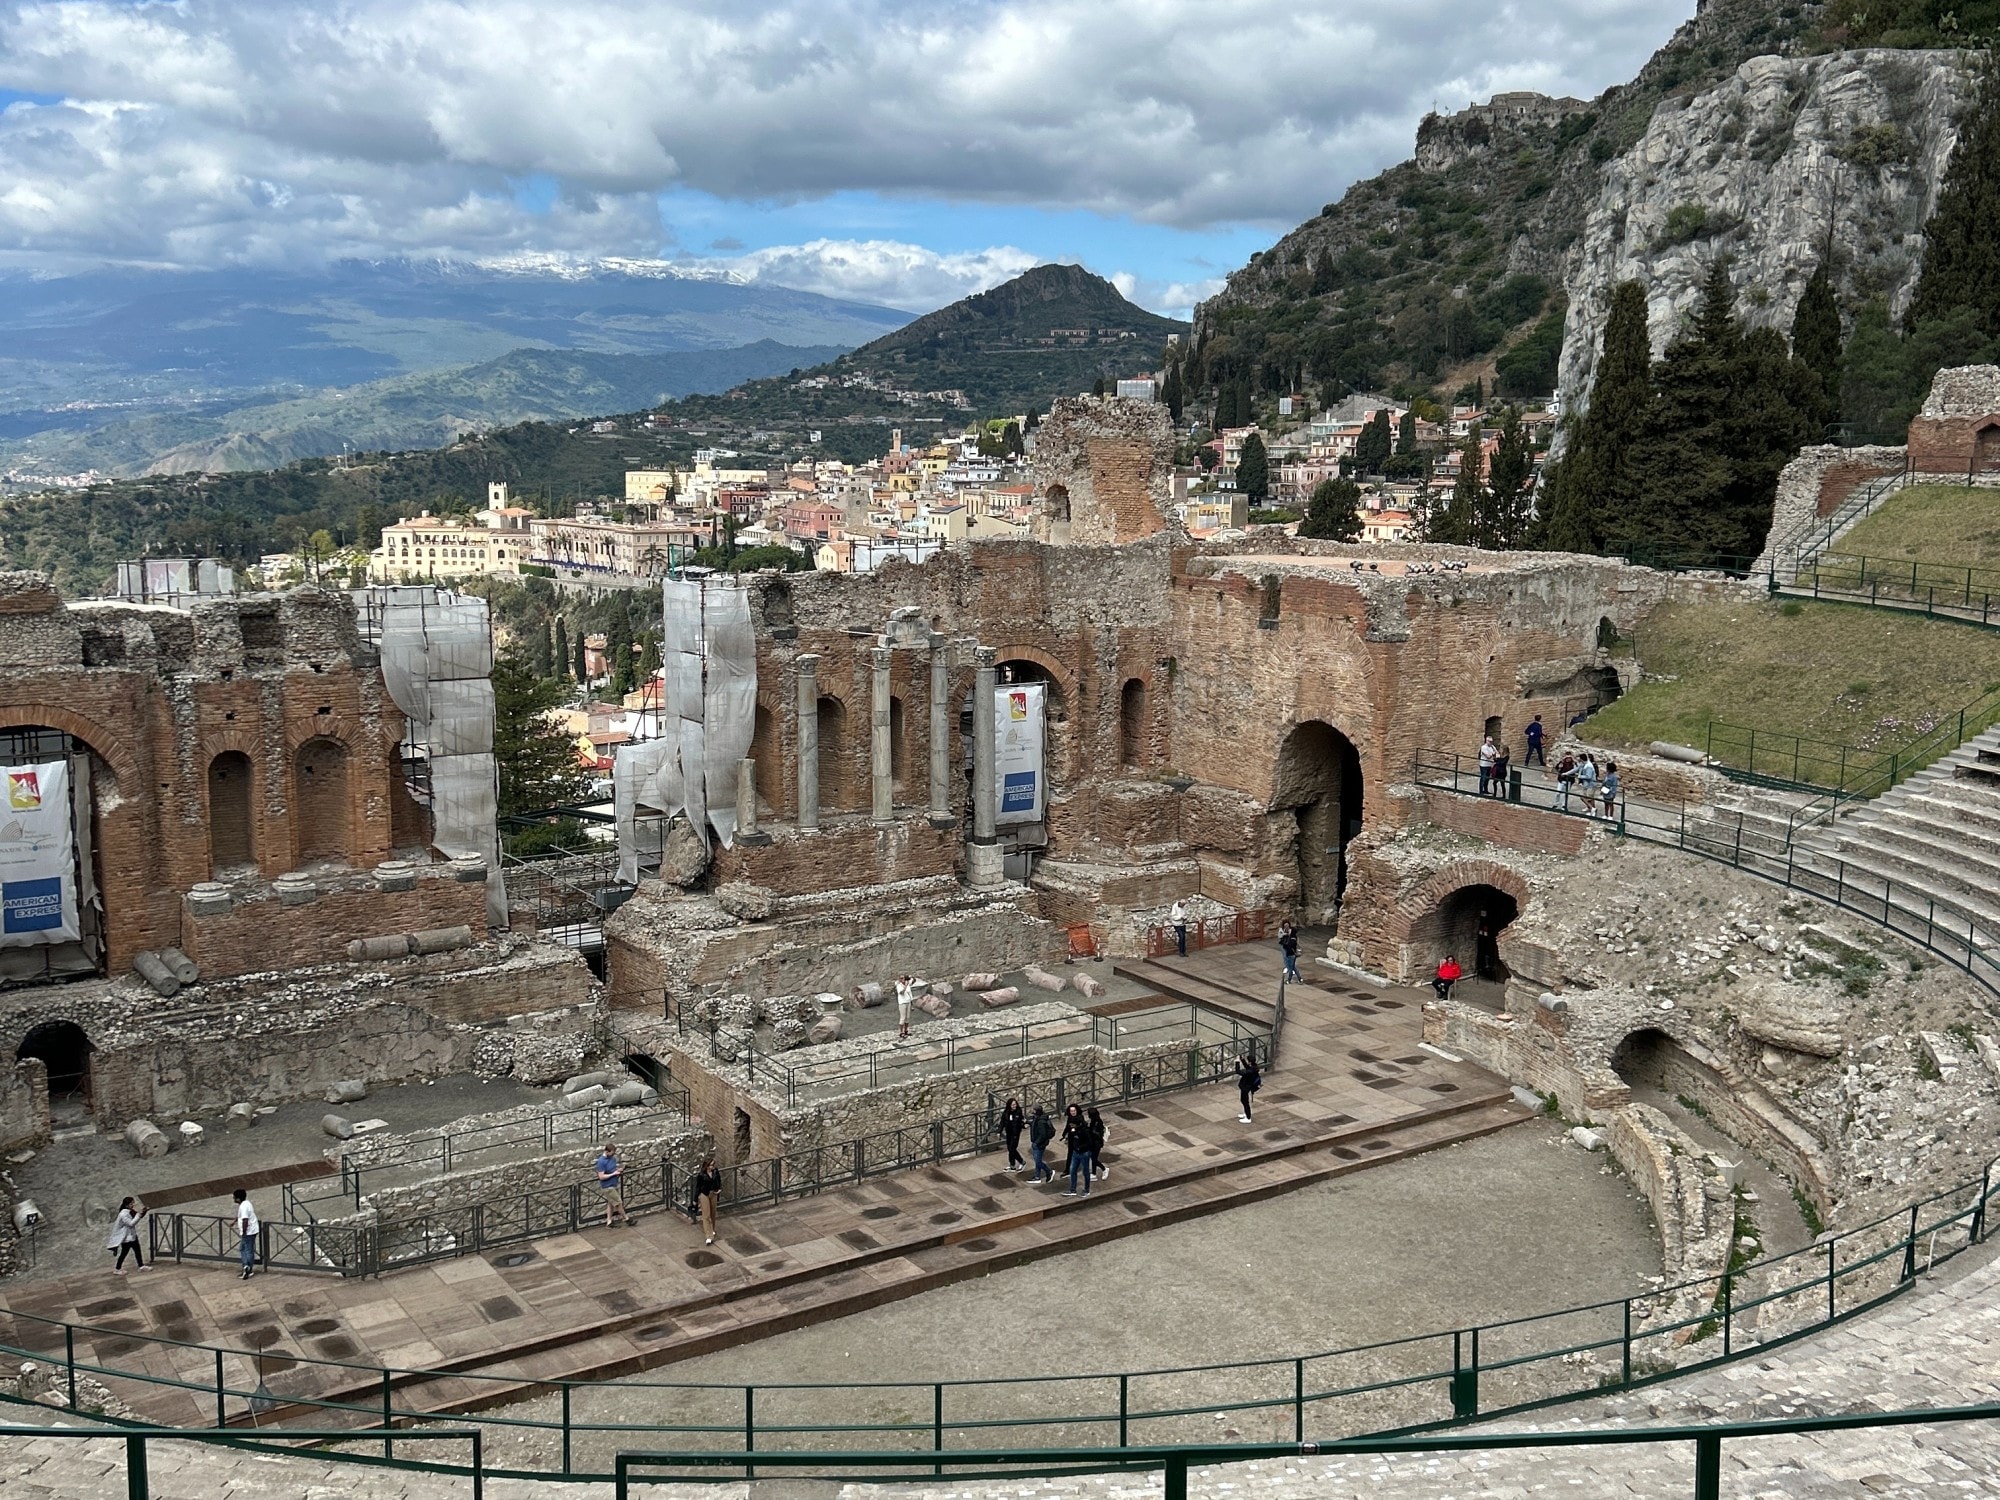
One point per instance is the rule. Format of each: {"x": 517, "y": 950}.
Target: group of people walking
{"x": 1083, "y": 1136}
{"x": 1597, "y": 788}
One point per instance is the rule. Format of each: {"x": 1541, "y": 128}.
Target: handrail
{"x": 138, "y": 1441}
{"x": 1789, "y": 1294}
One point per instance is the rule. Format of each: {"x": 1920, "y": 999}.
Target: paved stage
{"x": 1351, "y": 1090}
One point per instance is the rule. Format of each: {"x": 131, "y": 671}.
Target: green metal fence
{"x": 575, "y": 1429}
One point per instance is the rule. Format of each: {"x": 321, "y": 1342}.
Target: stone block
{"x": 1791, "y": 1017}
{"x": 295, "y": 890}
{"x": 936, "y": 1006}
{"x": 994, "y": 998}
{"x": 866, "y": 996}
{"x": 583, "y": 1098}
{"x": 337, "y": 1126}
{"x": 1731, "y": 1172}
{"x": 1989, "y": 1053}
{"x": 1089, "y": 987}
{"x": 941, "y": 986}
{"x": 747, "y": 902}
{"x": 787, "y": 1034}
{"x": 1587, "y": 1138}
{"x": 146, "y": 1138}
{"x": 469, "y": 869}
{"x": 1042, "y": 979}
{"x": 980, "y": 982}
{"x": 396, "y": 875}
{"x": 1942, "y": 1052}
{"x": 210, "y": 898}
{"x": 826, "y": 1029}
{"x": 347, "y": 1091}
{"x": 191, "y": 1134}
{"x": 241, "y": 1116}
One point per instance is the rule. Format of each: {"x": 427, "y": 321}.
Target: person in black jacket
{"x": 1041, "y": 1130}
{"x": 1012, "y": 1123}
{"x": 1097, "y": 1138}
{"x": 1249, "y": 1079}
{"x": 1076, "y": 1136}
{"x": 707, "y": 1194}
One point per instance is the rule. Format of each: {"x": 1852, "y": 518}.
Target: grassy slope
{"x": 1840, "y": 673}
{"x": 1934, "y": 523}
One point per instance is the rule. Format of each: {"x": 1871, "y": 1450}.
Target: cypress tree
{"x": 562, "y": 659}
{"x": 1596, "y": 478}
{"x": 582, "y": 672}
{"x": 1504, "y": 511}
{"x": 1816, "y": 343}
{"x": 1961, "y": 267}
{"x": 1173, "y": 394}
{"x": 1324, "y": 280}
{"x": 1457, "y": 522}
{"x": 1334, "y": 512}
{"x": 1371, "y": 448}
{"x": 1406, "y": 435}
{"x": 540, "y": 655}
{"x": 1252, "y": 472}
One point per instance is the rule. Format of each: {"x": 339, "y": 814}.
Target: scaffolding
{"x": 437, "y": 662}
{"x": 708, "y": 665}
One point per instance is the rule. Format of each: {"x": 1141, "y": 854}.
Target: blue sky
{"x": 906, "y": 152}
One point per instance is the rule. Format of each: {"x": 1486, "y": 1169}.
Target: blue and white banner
{"x": 37, "y": 857}
{"x": 1018, "y": 778}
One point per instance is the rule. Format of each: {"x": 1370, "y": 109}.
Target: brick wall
{"x": 1952, "y": 445}
{"x": 260, "y": 932}
{"x": 1533, "y": 830}
{"x": 847, "y": 853}
{"x": 1842, "y": 479}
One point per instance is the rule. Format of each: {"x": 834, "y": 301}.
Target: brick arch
{"x": 334, "y": 726}
{"x": 107, "y": 743}
{"x": 1428, "y": 894}
{"x": 1064, "y": 677}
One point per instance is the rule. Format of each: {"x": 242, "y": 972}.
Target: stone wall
{"x": 501, "y": 1186}
{"x": 1811, "y": 487}
{"x": 260, "y": 929}
{"x": 24, "y": 1105}
{"x": 1101, "y": 469}
{"x": 843, "y": 853}
{"x": 1958, "y": 429}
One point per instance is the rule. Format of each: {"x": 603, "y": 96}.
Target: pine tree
{"x": 537, "y": 755}
{"x": 1816, "y": 343}
{"x": 562, "y": 659}
{"x": 1334, "y": 512}
{"x": 1252, "y": 471}
{"x": 1961, "y": 266}
{"x": 1596, "y": 478}
{"x": 1503, "y": 520}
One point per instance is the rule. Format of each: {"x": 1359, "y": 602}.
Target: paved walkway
{"x": 1935, "y": 1345}
{"x": 1352, "y": 1090}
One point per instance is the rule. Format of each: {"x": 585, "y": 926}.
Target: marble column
{"x": 747, "y": 831}
{"x": 941, "y": 711}
{"x": 881, "y": 754}
{"x": 984, "y": 862}
{"x": 808, "y": 666}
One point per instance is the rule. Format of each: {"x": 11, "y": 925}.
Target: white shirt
{"x": 246, "y": 1219}
{"x": 124, "y": 1229}
{"x": 1178, "y": 915}
{"x": 903, "y": 992}
{"x": 1487, "y": 754}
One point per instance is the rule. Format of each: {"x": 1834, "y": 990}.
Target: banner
{"x": 1017, "y": 762}
{"x": 37, "y": 857}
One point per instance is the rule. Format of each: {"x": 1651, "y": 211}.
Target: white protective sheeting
{"x": 729, "y": 705}
{"x": 643, "y": 776}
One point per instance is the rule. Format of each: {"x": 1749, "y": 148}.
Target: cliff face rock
{"x": 1754, "y": 168}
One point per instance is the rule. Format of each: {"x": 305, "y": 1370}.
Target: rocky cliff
{"x": 1763, "y": 168}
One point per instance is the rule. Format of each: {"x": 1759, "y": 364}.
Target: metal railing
{"x": 1848, "y": 772}
{"x": 1210, "y": 932}
{"x": 138, "y": 1445}
{"x": 1402, "y": 1385}
{"x": 446, "y": 1234}
{"x": 1745, "y": 844}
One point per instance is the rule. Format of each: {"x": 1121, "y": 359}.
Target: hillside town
{"x": 955, "y": 489}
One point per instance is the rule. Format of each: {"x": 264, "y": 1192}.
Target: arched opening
{"x": 1058, "y": 502}
{"x": 1015, "y": 670}
{"x": 92, "y": 786}
{"x": 1132, "y": 723}
{"x": 1986, "y": 449}
{"x": 1466, "y": 925}
{"x": 231, "y": 836}
{"x": 1494, "y": 727}
{"x": 1318, "y": 783}
{"x": 899, "y": 760}
{"x": 321, "y": 801}
{"x": 1607, "y": 634}
{"x": 65, "y": 1052}
{"x": 764, "y": 751}
{"x": 834, "y": 755}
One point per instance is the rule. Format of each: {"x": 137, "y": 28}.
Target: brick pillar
{"x": 941, "y": 711}
{"x": 881, "y": 761}
{"x": 983, "y": 856}
{"x": 808, "y": 739}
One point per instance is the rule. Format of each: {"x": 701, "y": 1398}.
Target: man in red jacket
{"x": 1448, "y": 974}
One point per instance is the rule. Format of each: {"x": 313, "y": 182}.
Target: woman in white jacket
{"x": 124, "y": 1236}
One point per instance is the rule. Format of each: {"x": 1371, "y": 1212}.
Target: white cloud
{"x": 887, "y": 272}
{"x": 214, "y": 130}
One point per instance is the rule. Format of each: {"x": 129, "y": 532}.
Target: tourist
{"x": 1098, "y": 1135}
{"x": 707, "y": 1195}
{"x": 1177, "y": 918}
{"x": 125, "y": 1235}
{"x": 1249, "y": 1079}
{"x": 1041, "y": 1130}
{"x": 1486, "y": 950}
{"x": 1012, "y": 1123}
{"x": 905, "y": 992}
{"x": 1565, "y": 779}
{"x": 1288, "y": 944}
{"x": 1076, "y": 1136}
{"x": 1609, "y": 791}
{"x": 611, "y": 1183}
{"x": 1448, "y": 974}
{"x": 1500, "y": 772}
{"x": 1488, "y": 753}
{"x": 247, "y": 1229}
{"x": 1535, "y": 751}
{"x": 1586, "y": 783}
